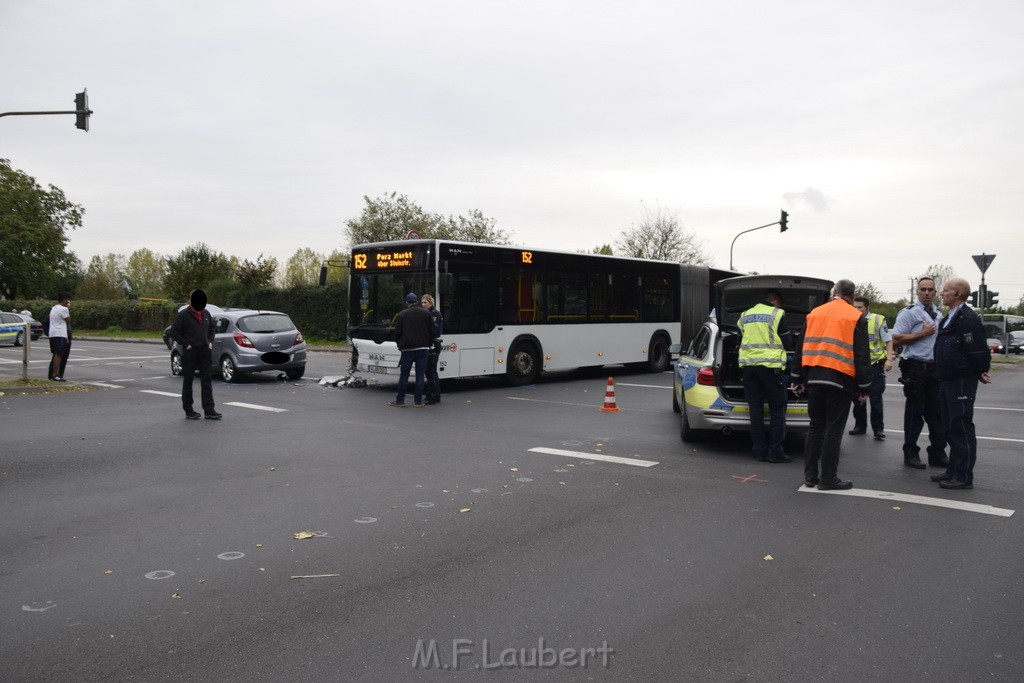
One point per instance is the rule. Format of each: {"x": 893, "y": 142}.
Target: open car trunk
{"x": 736, "y": 295}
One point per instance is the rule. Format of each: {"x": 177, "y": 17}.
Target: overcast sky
{"x": 891, "y": 131}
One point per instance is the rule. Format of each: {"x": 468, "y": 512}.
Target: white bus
{"x": 1007, "y": 329}
{"x": 517, "y": 312}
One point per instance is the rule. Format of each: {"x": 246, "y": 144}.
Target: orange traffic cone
{"x": 609, "y": 398}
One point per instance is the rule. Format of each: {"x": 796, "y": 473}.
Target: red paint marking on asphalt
{"x": 752, "y": 477}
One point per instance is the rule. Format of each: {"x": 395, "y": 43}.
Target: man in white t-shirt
{"x": 60, "y": 324}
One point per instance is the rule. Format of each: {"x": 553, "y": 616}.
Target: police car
{"x": 707, "y": 390}
{"x": 12, "y": 328}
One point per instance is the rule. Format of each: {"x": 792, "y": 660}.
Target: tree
{"x": 872, "y": 293}
{"x": 34, "y": 225}
{"x": 336, "y": 272}
{"x": 255, "y": 275}
{"x": 605, "y": 249}
{"x": 391, "y": 216}
{"x": 104, "y": 279}
{"x": 302, "y": 268}
{"x": 659, "y": 235}
{"x": 145, "y": 272}
{"x": 194, "y": 267}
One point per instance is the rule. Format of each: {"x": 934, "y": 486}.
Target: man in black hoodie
{"x": 193, "y": 330}
{"x": 414, "y": 334}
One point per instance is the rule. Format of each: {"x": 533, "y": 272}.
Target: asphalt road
{"x": 137, "y": 545}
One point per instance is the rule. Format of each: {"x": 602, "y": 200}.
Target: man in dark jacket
{"x": 414, "y": 333}
{"x": 193, "y": 330}
{"x": 834, "y": 363}
{"x": 962, "y": 359}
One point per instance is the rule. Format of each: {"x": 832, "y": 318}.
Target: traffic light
{"x": 993, "y": 299}
{"x": 784, "y": 222}
{"x": 82, "y": 110}
{"x": 974, "y": 299}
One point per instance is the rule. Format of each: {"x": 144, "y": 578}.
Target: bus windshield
{"x": 376, "y": 299}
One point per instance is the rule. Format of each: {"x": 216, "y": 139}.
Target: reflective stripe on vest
{"x": 875, "y": 343}
{"x": 829, "y": 337}
{"x": 760, "y": 344}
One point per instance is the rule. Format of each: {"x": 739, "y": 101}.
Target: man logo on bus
{"x": 528, "y": 257}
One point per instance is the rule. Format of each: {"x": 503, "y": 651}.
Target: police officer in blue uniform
{"x": 915, "y": 331}
{"x": 962, "y": 360}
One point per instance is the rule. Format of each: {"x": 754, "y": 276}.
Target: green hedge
{"x": 317, "y": 311}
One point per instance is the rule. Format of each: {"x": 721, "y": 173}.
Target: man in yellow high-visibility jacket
{"x": 762, "y": 360}
{"x": 882, "y": 356}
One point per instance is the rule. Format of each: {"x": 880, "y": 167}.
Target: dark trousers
{"x": 860, "y": 411}
{"x": 59, "y": 348}
{"x": 958, "y": 416}
{"x": 923, "y": 404}
{"x": 418, "y": 358}
{"x": 196, "y": 358}
{"x": 766, "y": 385}
{"x": 828, "y": 407}
{"x": 433, "y": 389}
{"x": 64, "y": 358}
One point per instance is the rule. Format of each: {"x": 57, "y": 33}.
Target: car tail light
{"x": 298, "y": 337}
{"x": 242, "y": 340}
{"x": 706, "y": 376}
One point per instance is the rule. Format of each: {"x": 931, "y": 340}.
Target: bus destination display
{"x": 410, "y": 257}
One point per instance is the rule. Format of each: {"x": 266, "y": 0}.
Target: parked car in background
{"x": 707, "y": 390}
{"x": 247, "y": 341}
{"x": 1016, "y": 341}
{"x": 12, "y": 328}
{"x": 994, "y": 345}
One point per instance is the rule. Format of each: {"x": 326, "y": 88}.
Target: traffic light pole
{"x": 783, "y": 224}
{"x": 81, "y": 111}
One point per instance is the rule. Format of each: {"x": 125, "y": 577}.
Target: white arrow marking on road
{"x": 591, "y": 456}
{"x": 921, "y": 500}
{"x": 256, "y": 407}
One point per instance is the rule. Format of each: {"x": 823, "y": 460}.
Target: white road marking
{"x": 1014, "y": 410}
{"x": 986, "y": 438}
{"x": 104, "y": 385}
{"x": 595, "y": 456}
{"x": 256, "y": 407}
{"x": 642, "y": 386}
{"x": 580, "y": 405}
{"x": 159, "y": 393}
{"x": 920, "y": 500}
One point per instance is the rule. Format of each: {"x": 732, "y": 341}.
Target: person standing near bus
{"x": 414, "y": 334}
{"x": 433, "y": 389}
{"x": 762, "y": 360}
{"x": 880, "y": 345}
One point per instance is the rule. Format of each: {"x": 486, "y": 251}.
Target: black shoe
{"x": 837, "y": 485}
{"x": 760, "y": 457}
{"x": 955, "y": 484}
{"x": 857, "y": 431}
{"x": 431, "y": 402}
{"x": 915, "y": 463}
{"x": 879, "y": 436}
{"x": 397, "y": 404}
{"x": 810, "y": 483}
{"x": 780, "y": 458}
{"x": 192, "y": 415}
{"x": 938, "y": 478}
{"x": 213, "y": 415}
{"x": 938, "y": 463}
{"x": 418, "y": 404}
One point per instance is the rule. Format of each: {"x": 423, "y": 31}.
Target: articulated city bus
{"x": 516, "y": 312}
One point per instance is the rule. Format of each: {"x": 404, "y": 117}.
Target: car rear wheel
{"x": 686, "y": 433}
{"x": 175, "y": 363}
{"x": 20, "y": 339}
{"x": 296, "y": 373}
{"x": 227, "y": 369}
{"x": 675, "y": 401}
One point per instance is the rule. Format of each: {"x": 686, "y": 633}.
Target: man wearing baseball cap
{"x": 414, "y": 333}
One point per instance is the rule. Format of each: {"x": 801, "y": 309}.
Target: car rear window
{"x": 266, "y": 323}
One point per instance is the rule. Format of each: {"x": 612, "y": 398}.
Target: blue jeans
{"x": 766, "y": 385}
{"x": 419, "y": 358}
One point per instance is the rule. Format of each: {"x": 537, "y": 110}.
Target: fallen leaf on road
{"x": 768, "y": 557}
{"x": 176, "y": 596}
{"x": 109, "y": 571}
{"x": 303, "y": 534}
{"x": 465, "y": 509}
{"x": 513, "y": 469}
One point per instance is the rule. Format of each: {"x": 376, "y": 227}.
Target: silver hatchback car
{"x": 248, "y": 341}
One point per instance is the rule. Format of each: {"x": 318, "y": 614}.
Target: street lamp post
{"x": 783, "y": 224}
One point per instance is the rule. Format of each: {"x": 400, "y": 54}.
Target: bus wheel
{"x": 657, "y": 354}
{"x": 523, "y": 364}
